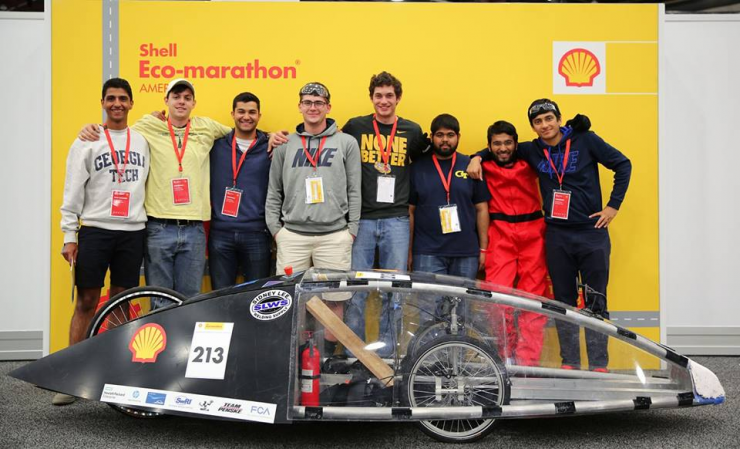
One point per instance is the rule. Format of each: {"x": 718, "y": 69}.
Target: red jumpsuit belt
{"x": 516, "y": 218}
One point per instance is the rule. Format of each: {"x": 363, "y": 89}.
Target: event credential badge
{"x": 449, "y": 219}
{"x": 180, "y": 191}
{"x": 232, "y": 199}
{"x": 314, "y": 190}
{"x": 119, "y": 203}
{"x": 560, "y": 204}
{"x": 386, "y": 189}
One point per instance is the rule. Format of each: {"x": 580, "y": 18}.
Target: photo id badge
{"x": 560, "y": 204}
{"x": 232, "y": 199}
{"x": 180, "y": 191}
{"x": 314, "y": 190}
{"x": 386, "y": 189}
{"x": 449, "y": 219}
{"x": 119, "y": 203}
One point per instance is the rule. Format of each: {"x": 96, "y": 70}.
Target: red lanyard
{"x": 565, "y": 162}
{"x": 446, "y": 183}
{"x": 113, "y": 151}
{"x": 385, "y": 152}
{"x": 235, "y": 167}
{"x": 318, "y": 151}
{"x": 179, "y": 154}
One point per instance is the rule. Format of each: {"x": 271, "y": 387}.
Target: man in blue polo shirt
{"x": 449, "y": 210}
{"x": 240, "y": 169}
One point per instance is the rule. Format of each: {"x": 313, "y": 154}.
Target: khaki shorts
{"x": 302, "y": 252}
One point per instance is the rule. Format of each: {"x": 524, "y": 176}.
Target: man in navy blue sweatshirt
{"x": 577, "y": 242}
{"x": 240, "y": 169}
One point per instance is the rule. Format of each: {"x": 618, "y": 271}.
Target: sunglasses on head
{"x": 542, "y": 107}
{"x": 315, "y": 89}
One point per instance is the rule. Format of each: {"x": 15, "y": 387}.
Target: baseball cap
{"x": 315, "y": 88}
{"x": 179, "y": 82}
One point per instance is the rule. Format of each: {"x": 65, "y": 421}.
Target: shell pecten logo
{"x": 579, "y": 67}
{"x": 147, "y": 343}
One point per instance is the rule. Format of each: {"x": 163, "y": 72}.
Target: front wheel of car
{"x": 456, "y": 371}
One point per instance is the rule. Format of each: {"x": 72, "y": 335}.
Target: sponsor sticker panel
{"x": 191, "y": 403}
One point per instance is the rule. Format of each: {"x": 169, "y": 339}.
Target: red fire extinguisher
{"x": 310, "y": 373}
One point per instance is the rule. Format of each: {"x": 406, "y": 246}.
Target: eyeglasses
{"x": 315, "y": 89}
{"x": 542, "y": 107}
{"x": 318, "y": 104}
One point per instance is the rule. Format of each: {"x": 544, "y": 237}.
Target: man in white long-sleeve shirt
{"x": 103, "y": 216}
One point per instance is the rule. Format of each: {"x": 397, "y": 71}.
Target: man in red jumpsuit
{"x": 515, "y": 256}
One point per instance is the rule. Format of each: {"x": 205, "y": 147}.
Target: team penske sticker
{"x": 209, "y": 350}
{"x": 270, "y": 305}
{"x": 190, "y": 403}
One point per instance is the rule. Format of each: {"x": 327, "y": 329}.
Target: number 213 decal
{"x": 212, "y": 355}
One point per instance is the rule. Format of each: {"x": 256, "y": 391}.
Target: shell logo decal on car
{"x": 579, "y": 67}
{"x": 147, "y": 343}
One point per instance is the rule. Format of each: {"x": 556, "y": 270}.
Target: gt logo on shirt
{"x": 461, "y": 174}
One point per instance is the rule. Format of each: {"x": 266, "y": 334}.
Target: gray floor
{"x": 28, "y": 420}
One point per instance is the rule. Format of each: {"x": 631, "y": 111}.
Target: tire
{"x": 123, "y": 308}
{"x": 449, "y": 362}
{"x": 433, "y": 331}
{"x": 113, "y": 313}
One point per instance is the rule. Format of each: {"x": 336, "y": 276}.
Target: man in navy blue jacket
{"x": 240, "y": 169}
{"x": 577, "y": 243}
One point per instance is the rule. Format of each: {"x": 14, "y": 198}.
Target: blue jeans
{"x": 391, "y": 237}
{"x": 175, "y": 257}
{"x": 228, "y": 250}
{"x": 466, "y": 267}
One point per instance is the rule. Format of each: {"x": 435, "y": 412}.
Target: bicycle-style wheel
{"x": 128, "y": 306}
{"x": 456, "y": 371}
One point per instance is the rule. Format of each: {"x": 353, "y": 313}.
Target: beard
{"x": 507, "y": 163}
{"x": 443, "y": 153}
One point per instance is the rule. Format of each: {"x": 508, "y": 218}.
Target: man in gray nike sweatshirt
{"x": 313, "y": 198}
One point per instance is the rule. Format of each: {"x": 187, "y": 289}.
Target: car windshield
{"x": 447, "y": 341}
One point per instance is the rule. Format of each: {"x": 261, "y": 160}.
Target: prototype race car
{"x": 461, "y": 355}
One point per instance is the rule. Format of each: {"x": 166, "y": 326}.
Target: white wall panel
{"x": 700, "y": 183}
{"x": 24, "y": 185}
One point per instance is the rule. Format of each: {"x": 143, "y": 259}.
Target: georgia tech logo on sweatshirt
{"x": 130, "y": 174}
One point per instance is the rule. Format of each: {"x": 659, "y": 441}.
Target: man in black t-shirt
{"x": 387, "y": 144}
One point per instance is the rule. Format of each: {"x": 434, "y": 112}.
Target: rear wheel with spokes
{"x": 128, "y": 306}
{"x": 434, "y": 331}
{"x": 455, "y": 371}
